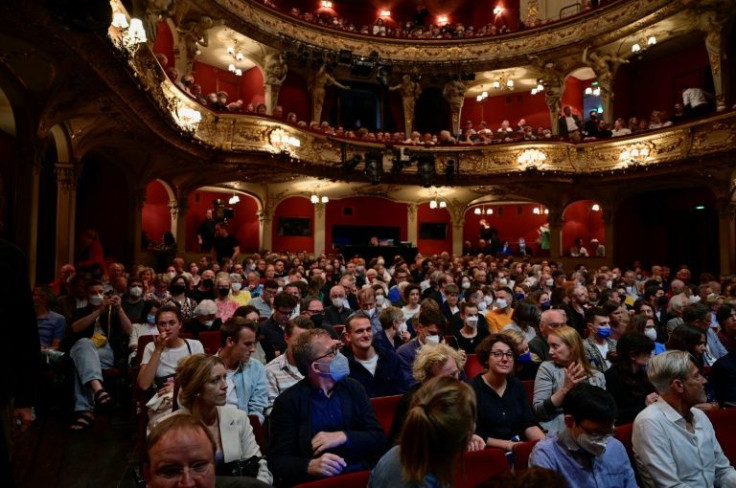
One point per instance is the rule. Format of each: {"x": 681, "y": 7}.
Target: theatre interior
{"x": 314, "y": 126}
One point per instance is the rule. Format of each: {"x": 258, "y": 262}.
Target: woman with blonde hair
{"x": 202, "y": 385}
{"x": 436, "y": 433}
{"x": 557, "y": 377}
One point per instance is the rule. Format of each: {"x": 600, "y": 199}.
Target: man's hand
{"x": 327, "y": 440}
{"x": 326, "y": 465}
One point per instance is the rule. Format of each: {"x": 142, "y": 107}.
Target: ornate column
{"x": 711, "y": 22}
{"x": 320, "y": 209}
{"x": 553, "y": 90}
{"x": 179, "y": 210}
{"x": 457, "y": 216}
{"x": 605, "y": 67}
{"x": 727, "y": 235}
{"x": 609, "y": 212}
{"x": 555, "y": 221}
{"x": 265, "y": 220}
{"x": 66, "y": 211}
{"x": 411, "y": 223}
{"x": 275, "y": 70}
{"x": 410, "y": 91}
{"x": 33, "y": 216}
{"x": 454, "y": 93}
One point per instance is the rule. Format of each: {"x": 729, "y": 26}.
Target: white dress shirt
{"x": 668, "y": 454}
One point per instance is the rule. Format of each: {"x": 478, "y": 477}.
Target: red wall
{"x": 294, "y": 97}
{"x": 156, "y": 216}
{"x": 663, "y": 78}
{"x": 244, "y": 224}
{"x": 430, "y": 246}
{"x": 294, "y": 207}
{"x": 164, "y": 42}
{"x": 367, "y": 211}
{"x": 248, "y": 87}
{"x": 508, "y": 222}
{"x": 573, "y": 95}
{"x": 513, "y": 107}
{"x": 581, "y": 221}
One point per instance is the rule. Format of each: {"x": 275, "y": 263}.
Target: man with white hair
{"x": 674, "y": 443}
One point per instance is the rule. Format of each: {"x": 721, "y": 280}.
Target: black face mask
{"x": 177, "y": 289}
{"x": 223, "y": 292}
{"x": 662, "y": 301}
{"x": 317, "y": 319}
{"x": 207, "y": 283}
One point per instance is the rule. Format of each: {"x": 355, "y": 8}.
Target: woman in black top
{"x": 627, "y": 379}
{"x": 504, "y": 414}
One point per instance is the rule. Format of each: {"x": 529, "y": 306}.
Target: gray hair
{"x": 206, "y": 307}
{"x": 668, "y": 366}
{"x": 304, "y": 349}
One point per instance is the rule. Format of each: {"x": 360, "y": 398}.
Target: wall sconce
{"x": 187, "y": 118}
{"x": 644, "y": 43}
{"x": 593, "y": 90}
{"x": 319, "y": 199}
{"x": 540, "y": 210}
{"x": 435, "y": 203}
{"x": 531, "y": 159}
{"x": 595, "y": 207}
{"x": 483, "y": 211}
{"x": 634, "y": 154}
{"x": 482, "y": 97}
{"x": 539, "y": 88}
{"x": 498, "y": 10}
{"x": 233, "y": 200}
{"x": 384, "y": 13}
{"x": 326, "y": 4}
{"x": 442, "y": 20}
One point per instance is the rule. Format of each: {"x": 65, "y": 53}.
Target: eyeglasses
{"x": 196, "y": 469}
{"x": 332, "y": 352}
{"x": 501, "y": 354}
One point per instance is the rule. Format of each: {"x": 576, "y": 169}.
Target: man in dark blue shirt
{"x": 324, "y": 425}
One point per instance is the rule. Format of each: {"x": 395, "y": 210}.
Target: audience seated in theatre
{"x": 568, "y": 367}
{"x": 643, "y": 324}
{"x": 204, "y": 318}
{"x": 178, "y": 288}
{"x": 699, "y": 316}
{"x": 470, "y": 335}
{"x": 394, "y": 327}
{"x": 500, "y": 315}
{"x": 627, "y": 379}
{"x": 143, "y": 326}
{"x": 504, "y": 413}
{"x": 264, "y": 302}
{"x": 525, "y": 320}
{"x": 202, "y": 386}
{"x": 526, "y": 364}
{"x": 312, "y": 308}
{"x": 372, "y": 364}
{"x": 429, "y": 328}
{"x": 584, "y": 450}
{"x": 619, "y": 128}
{"x": 694, "y": 342}
{"x": 674, "y": 443}
{"x": 600, "y": 349}
{"x": 437, "y": 431}
{"x": 271, "y": 330}
{"x": 51, "y": 325}
{"x": 726, "y": 318}
{"x": 324, "y": 425}
{"x": 282, "y": 372}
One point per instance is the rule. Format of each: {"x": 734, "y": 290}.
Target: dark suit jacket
{"x": 723, "y": 378}
{"x": 271, "y": 336}
{"x": 290, "y": 449}
{"x": 562, "y": 125}
{"x": 333, "y": 317}
{"x": 389, "y": 378}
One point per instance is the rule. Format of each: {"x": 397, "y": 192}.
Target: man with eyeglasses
{"x": 264, "y": 302}
{"x": 324, "y": 425}
{"x": 313, "y": 309}
{"x": 338, "y": 311}
{"x": 585, "y": 452}
{"x": 551, "y": 319}
{"x": 272, "y": 329}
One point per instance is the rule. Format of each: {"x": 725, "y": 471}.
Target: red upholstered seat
{"x": 724, "y": 423}
{"x": 258, "y": 432}
{"x": 211, "y": 340}
{"x": 385, "y": 408}
{"x": 529, "y": 388}
{"x": 472, "y": 366}
{"x": 623, "y": 433}
{"x": 339, "y": 329}
{"x": 480, "y": 466}
{"x": 522, "y": 452}
{"x": 358, "y": 479}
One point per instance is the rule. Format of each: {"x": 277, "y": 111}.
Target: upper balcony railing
{"x": 598, "y": 27}
{"x": 250, "y": 137}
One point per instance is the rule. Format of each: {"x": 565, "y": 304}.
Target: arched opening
{"x": 241, "y": 217}
{"x": 432, "y": 113}
{"x": 521, "y": 225}
{"x": 583, "y": 222}
{"x": 156, "y": 213}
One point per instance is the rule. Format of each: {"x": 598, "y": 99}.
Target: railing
{"x": 574, "y": 9}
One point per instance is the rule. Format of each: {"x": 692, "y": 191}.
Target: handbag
{"x": 242, "y": 467}
{"x": 99, "y": 339}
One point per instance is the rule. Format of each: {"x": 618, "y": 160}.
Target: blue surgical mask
{"x": 604, "y": 332}
{"x": 518, "y": 297}
{"x": 339, "y": 368}
{"x": 525, "y": 358}
{"x": 151, "y": 318}
{"x": 545, "y": 305}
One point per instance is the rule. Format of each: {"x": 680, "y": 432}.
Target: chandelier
{"x": 483, "y": 210}
{"x": 644, "y": 43}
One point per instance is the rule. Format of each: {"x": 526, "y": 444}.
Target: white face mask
{"x": 432, "y": 339}
{"x": 136, "y": 291}
{"x": 550, "y": 282}
{"x": 501, "y": 303}
{"x": 594, "y": 444}
{"x": 482, "y": 307}
{"x": 208, "y": 323}
{"x": 235, "y": 286}
{"x": 472, "y": 321}
{"x": 402, "y": 328}
{"x": 503, "y": 281}
{"x": 95, "y": 300}
{"x": 651, "y": 333}
{"x": 380, "y": 299}
{"x": 172, "y": 274}
{"x": 337, "y": 302}
{"x": 466, "y": 285}
{"x": 609, "y": 284}
{"x": 488, "y": 299}
{"x": 694, "y": 298}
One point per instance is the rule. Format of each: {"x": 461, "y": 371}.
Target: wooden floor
{"x": 49, "y": 455}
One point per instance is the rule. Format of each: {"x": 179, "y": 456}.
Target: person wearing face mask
{"x": 313, "y": 309}
{"x": 225, "y": 305}
{"x": 525, "y": 320}
{"x": 133, "y": 303}
{"x": 144, "y": 325}
{"x": 367, "y": 303}
{"x": 645, "y": 325}
{"x": 324, "y": 425}
{"x": 600, "y": 349}
{"x": 470, "y": 335}
{"x": 338, "y": 310}
{"x": 527, "y": 363}
{"x": 395, "y": 329}
{"x": 204, "y": 318}
{"x": 178, "y": 288}
{"x": 206, "y": 289}
{"x": 501, "y": 313}
{"x": 450, "y": 306}
{"x": 98, "y": 337}
{"x": 627, "y": 379}
{"x": 585, "y": 451}
{"x": 429, "y": 329}
{"x": 272, "y": 329}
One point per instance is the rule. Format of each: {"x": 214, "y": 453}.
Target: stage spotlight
{"x": 426, "y": 170}
{"x": 450, "y": 170}
{"x": 349, "y": 164}
{"x": 374, "y": 167}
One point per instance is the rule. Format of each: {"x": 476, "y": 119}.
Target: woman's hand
{"x": 574, "y": 374}
{"x": 160, "y": 341}
{"x": 651, "y": 398}
{"x": 476, "y": 443}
